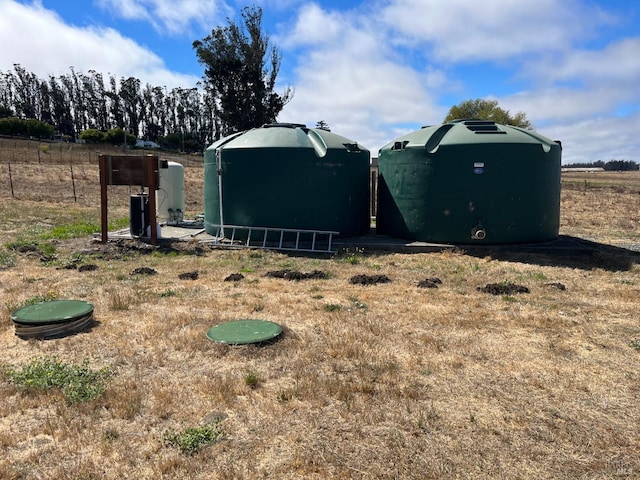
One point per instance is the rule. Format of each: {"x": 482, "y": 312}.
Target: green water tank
{"x": 287, "y": 176}
{"x": 470, "y": 181}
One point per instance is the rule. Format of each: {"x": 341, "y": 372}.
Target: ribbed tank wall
{"x": 488, "y": 193}
{"x": 288, "y": 187}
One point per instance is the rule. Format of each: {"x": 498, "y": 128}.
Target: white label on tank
{"x": 478, "y": 165}
{"x": 478, "y": 168}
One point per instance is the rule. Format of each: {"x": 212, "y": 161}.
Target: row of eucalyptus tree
{"x": 78, "y": 101}
{"x": 237, "y": 93}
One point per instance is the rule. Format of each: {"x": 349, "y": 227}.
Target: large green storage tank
{"x": 470, "y": 181}
{"x": 287, "y": 176}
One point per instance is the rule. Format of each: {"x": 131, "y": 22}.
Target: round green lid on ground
{"x": 55, "y": 311}
{"x": 241, "y": 332}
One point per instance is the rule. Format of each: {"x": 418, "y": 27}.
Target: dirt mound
{"x": 429, "y": 283}
{"x": 234, "y": 277}
{"x": 503, "y": 288}
{"x": 188, "y": 275}
{"x": 125, "y": 249}
{"x": 369, "y": 279}
{"x": 296, "y": 275}
{"x": 143, "y": 271}
{"x": 89, "y": 267}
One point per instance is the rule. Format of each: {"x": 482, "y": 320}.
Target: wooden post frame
{"x": 138, "y": 170}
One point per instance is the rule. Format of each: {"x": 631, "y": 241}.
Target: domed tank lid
{"x": 53, "y": 311}
{"x": 242, "y": 332}
{"x": 467, "y": 131}
{"x": 288, "y": 135}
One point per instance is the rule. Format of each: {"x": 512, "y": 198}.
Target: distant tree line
{"x": 237, "y": 93}
{"x": 610, "y": 166}
{"x": 78, "y": 102}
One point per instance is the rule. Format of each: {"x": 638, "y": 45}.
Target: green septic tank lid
{"x": 51, "y": 312}
{"x": 241, "y": 332}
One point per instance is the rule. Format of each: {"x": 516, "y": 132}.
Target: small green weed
{"x": 43, "y": 297}
{"x": 111, "y": 435}
{"x": 357, "y": 304}
{"x": 252, "y": 379}
{"x": 78, "y": 383}
{"x": 332, "y": 307}
{"x": 288, "y": 394}
{"x": 635, "y": 344}
{"x": 7, "y": 259}
{"x": 168, "y": 293}
{"x": 353, "y": 256}
{"x": 190, "y": 440}
{"x": 540, "y": 276}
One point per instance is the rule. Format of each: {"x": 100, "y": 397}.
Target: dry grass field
{"x": 385, "y": 381}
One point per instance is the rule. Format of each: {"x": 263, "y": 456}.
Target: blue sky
{"x": 374, "y": 70}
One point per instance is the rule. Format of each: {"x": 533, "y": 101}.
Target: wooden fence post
{"x": 10, "y": 179}
{"x": 73, "y": 183}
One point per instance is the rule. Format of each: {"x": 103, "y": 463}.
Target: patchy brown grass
{"x": 368, "y": 381}
{"x": 603, "y": 206}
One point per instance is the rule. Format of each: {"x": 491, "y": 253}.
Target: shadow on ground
{"x": 565, "y": 251}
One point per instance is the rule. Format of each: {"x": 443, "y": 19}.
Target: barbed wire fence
{"x": 62, "y": 172}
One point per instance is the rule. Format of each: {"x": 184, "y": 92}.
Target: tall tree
{"x": 96, "y": 99}
{"x": 59, "y": 106}
{"x": 131, "y": 103}
{"x": 241, "y": 68}
{"x": 26, "y": 89}
{"x": 487, "y": 110}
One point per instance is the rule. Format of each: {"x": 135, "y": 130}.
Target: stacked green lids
{"x": 54, "y": 318}
{"x": 241, "y": 332}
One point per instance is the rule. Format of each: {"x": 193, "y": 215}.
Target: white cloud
{"x": 173, "y": 17}
{"x": 598, "y": 138}
{"x": 544, "y": 105}
{"x": 53, "y": 46}
{"x": 314, "y": 26}
{"x": 494, "y": 30}
{"x": 581, "y": 85}
{"x": 617, "y": 63}
{"x": 347, "y": 76}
